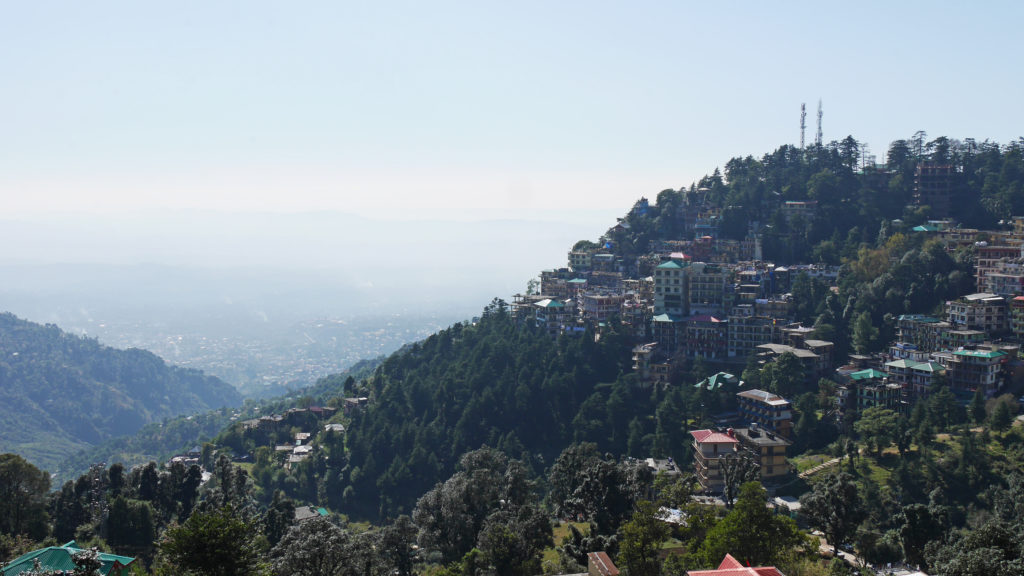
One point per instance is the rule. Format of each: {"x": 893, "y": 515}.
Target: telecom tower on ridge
{"x": 817, "y": 138}
{"x": 803, "y": 122}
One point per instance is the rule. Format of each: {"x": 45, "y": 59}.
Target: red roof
{"x": 603, "y": 564}
{"x": 732, "y": 567}
{"x": 714, "y": 437}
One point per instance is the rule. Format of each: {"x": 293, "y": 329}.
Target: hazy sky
{"x": 473, "y": 109}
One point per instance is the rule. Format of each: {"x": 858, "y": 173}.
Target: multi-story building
{"x": 1005, "y": 278}
{"x": 973, "y": 369}
{"x": 873, "y": 388}
{"x": 642, "y": 356}
{"x": 580, "y": 260}
{"x": 709, "y": 447}
{"x": 987, "y": 259}
{"x": 746, "y": 333}
{"x": 814, "y": 365}
{"x": 705, "y": 337}
{"x": 710, "y": 289}
{"x": 933, "y": 186}
{"x": 554, "y": 315}
{"x": 982, "y": 311}
{"x": 915, "y": 378}
{"x": 768, "y": 450}
{"x": 600, "y": 306}
{"x": 955, "y": 339}
{"x": 772, "y": 412}
{"x": 670, "y": 288}
{"x": 1017, "y": 317}
{"x": 924, "y": 332}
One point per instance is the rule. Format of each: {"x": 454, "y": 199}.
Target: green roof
{"x": 59, "y": 558}
{"x": 980, "y": 354}
{"x": 929, "y": 367}
{"x": 902, "y": 363}
{"x": 869, "y": 374}
{"x": 925, "y": 228}
{"x": 577, "y": 281}
{"x": 671, "y": 265}
{"x": 548, "y": 303}
{"x": 717, "y": 380}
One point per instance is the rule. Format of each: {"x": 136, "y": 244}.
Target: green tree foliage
{"x": 491, "y": 383}
{"x": 834, "y": 507}
{"x": 751, "y": 532}
{"x": 214, "y": 542}
{"x": 994, "y": 549}
{"x": 583, "y": 483}
{"x": 451, "y": 515}
{"x": 877, "y": 426}
{"x": 640, "y": 541}
{"x": 315, "y": 547}
{"x": 75, "y": 392}
{"x": 1001, "y": 418}
{"x": 23, "y": 489}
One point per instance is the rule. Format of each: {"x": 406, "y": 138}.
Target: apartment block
{"x": 766, "y": 410}
{"x": 709, "y": 447}
{"x": 982, "y": 311}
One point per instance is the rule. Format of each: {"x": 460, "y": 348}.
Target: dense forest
{"x": 493, "y": 448}
{"x": 62, "y": 393}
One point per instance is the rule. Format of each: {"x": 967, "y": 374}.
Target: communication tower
{"x": 803, "y": 122}
{"x": 817, "y": 139}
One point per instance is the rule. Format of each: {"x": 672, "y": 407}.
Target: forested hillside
{"x": 62, "y": 393}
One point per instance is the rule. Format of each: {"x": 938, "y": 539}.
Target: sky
{"x": 467, "y": 110}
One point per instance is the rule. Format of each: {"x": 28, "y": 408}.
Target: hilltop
{"x": 63, "y": 393}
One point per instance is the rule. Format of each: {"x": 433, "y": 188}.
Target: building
{"x": 705, "y": 337}
{"x": 768, "y": 450}
{"x": 746, "y": 333}
{"x": 933, "y": 186}
{"x": 814, "y": 366}
{"x": 642, "y": 356}
{"x": 1017, "y": 318}
{"x": 580, "y": 260}
{"x": 61, "y": 559}
{"x": 709, "y": 447}
{"x": 670, "y": 289}
{"x": 973, "y": 369}
{"x": 982, "y": 311}
{"x": 710, "y": 289}
{"x": 733, "y": 567}
{"x": 554, "y": 315}
{"x": 599, "y": 564}
{"x": 924, "y": 332}
{"x": 873, "y": 388}
{"x": 916, "y": 378}
{"x": 600, "y": 306}
{"x": 988, "y": 259}
{"x": 761, "y": 409}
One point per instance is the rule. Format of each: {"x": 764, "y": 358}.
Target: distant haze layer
{"x": 287, "y": 265}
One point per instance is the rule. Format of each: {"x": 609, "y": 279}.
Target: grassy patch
{"x": 559, "y": 532}
{"x": 805, "y": 462}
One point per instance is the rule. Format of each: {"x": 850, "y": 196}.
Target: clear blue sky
{"x": 473, "y": 109}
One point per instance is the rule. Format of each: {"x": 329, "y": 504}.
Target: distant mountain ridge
{"x": 60, "y": 393}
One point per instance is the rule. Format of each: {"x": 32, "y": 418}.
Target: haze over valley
{"x": 268, "y": 302}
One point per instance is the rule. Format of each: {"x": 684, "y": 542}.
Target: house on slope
{"x": 60, "y": 559}
{"x": 733, "y": 567}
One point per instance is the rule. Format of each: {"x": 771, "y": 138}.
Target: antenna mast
{"x": 817, "y": 139}
{"x": 803, "y": 122}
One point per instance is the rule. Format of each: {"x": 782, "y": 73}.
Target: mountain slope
{"x": 60, "y": 393}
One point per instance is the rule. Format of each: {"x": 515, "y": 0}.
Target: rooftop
{"x": 711, "y": 436}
